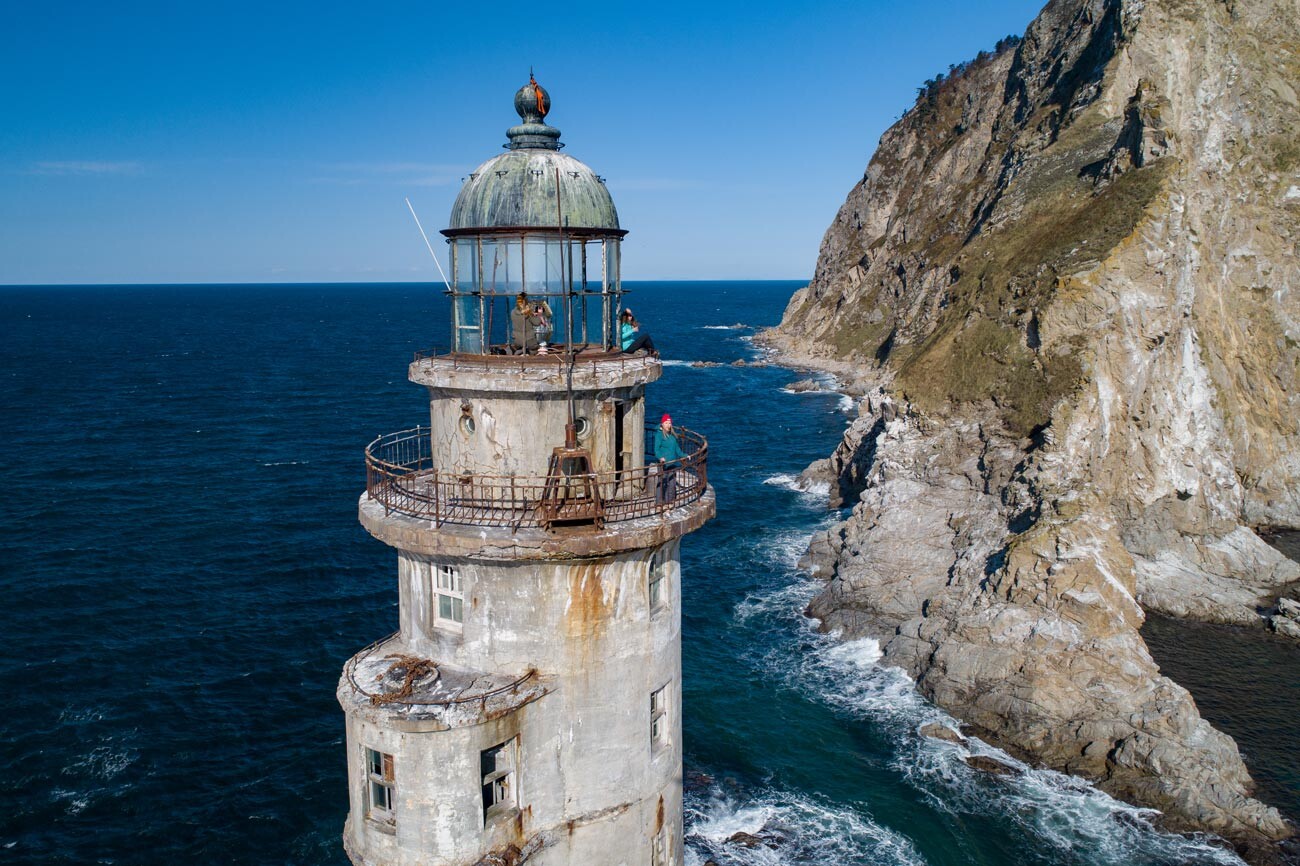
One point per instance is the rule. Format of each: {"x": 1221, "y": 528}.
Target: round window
{"x": 582, "y": 427}
{"x": 467, "y": 424}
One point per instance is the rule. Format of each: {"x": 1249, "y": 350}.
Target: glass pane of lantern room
{"x": 466, "y": 336}
{"x": 613, "y": 284}
{"x": 612, "y": 277}
{"x": 465, "y": 278}
{"x": 496, "y": 254}
{"x": 514, "y": 271}
{"x": 542, "y": 280}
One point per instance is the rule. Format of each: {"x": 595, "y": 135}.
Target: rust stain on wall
{"x": 586, "y": 611}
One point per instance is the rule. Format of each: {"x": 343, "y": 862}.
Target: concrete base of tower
{"x": 625, "y": 837}
{"x": 505, "y": 791}
{"x": 545, "y": 728}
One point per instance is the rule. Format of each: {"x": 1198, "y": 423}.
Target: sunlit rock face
{"x": 1070, "y": 275}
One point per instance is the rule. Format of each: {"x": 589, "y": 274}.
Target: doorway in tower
{"x": 621, "y": 460}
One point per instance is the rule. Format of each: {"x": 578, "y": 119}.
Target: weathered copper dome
{"x": 517, "y": 188}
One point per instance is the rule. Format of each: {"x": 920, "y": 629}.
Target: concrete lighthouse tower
{"x": 528, "y": 707}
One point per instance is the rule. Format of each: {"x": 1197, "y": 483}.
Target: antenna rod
{"x": 568, "y": 304}
{"x": 441, "y": 272}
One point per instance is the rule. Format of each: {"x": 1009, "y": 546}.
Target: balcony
{"x": 401, "y": 477}
{"x": 587, "y": 368}
{"x": 385, "y": 679}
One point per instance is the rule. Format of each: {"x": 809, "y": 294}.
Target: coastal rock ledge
{"x": 1067, "y": 282}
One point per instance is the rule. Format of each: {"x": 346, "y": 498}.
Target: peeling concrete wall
{"x": 592, "y": 784}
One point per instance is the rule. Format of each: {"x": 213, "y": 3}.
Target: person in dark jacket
{"x": 524, "y": 324}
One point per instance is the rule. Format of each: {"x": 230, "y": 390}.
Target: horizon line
{"x": 134, "y": 285}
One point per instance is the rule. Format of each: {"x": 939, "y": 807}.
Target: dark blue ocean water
{"x": 184, "y": 576}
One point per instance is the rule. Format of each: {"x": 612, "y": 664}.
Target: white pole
{"x": 429, "y": 245}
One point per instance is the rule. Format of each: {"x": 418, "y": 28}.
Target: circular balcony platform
{"x": 415, "y": 506}
{"x": 593, "y": 369}
{"x": 422, "y": 536}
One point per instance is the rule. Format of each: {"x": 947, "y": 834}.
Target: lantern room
{"x": 534, "y": 248}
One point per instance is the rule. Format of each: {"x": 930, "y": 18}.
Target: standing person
{"x": 542, "y": 312}
{"x": 524, "y": 323}
{"x": 628, "y": 337}
{"x": 667, "y": 450}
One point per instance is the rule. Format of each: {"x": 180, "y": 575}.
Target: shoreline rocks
{"x": 1064, "y": 288}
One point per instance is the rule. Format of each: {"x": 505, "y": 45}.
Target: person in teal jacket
{"x": 628, "y": 339}
{"x": 667, "y": 448}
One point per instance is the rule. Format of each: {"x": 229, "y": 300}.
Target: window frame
{"x": 384, "y": 780}
{"x": 656, "y": 577}
{"x": 453, "y": 593}
{"x": 659, "y": 718}
{"x": 500, "y": 786}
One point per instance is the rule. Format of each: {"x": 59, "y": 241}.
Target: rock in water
{"x": 936, "y": 731}
{"x": 1070, "y": 272}
{"x": 985, "y": 764}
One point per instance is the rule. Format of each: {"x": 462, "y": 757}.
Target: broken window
{"x": 498, "y": 768}
{"x": 450, "y": 601}
{"x": 658, "y": 717}
{"x": 380, "y": 780}
{"x": 658, "y": 567}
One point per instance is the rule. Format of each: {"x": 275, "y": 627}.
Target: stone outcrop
{"x": 1068, "y": 281}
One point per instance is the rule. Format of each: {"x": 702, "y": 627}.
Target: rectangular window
{"x": 498, "y": 767}
{"x": 379, "y": 785}
{"x": 450, "y": 601}
{"x": 658, "y": 717}
{"x": 658, "y": 568}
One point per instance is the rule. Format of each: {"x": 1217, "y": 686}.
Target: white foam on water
{"x": 848, "y": 405}
{"x": 791, "y": 827}
{"x": 813, "y": 493}
{"x": 1060, "y": 812}
{"x": 77, "y": 715}
{"x": 827, "y": 383}
{"x": 77, "y": 801}
{"x": 795, "y": 594}
{"x": 674, "y": 362}
{"x": 102, "y": 762}
{"x": 781, "y": 551}
{"x": 735, "y": 327}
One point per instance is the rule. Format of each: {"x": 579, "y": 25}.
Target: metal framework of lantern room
{"x": 536, "y": 221}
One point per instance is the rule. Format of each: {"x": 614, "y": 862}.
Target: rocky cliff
{"x": 1069, "y": 279}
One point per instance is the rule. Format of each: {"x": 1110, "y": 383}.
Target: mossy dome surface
{"x": 518, "y": 187}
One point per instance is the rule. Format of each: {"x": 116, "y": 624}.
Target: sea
{"x": 184, "y": 575}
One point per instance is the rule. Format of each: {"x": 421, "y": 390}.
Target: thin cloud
{"x": 390, "y": 173}
{"x": 83, "y": 167}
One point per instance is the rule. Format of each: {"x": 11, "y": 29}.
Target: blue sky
{"x": 244, "y": 142}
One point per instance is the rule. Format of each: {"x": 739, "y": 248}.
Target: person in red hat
{"x": 667, "y": 450}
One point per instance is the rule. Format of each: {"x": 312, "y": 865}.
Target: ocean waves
{"x": 1058, "y": 819}
{"x": 772, "y": 827}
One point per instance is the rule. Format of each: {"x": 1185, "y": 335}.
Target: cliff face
{"x": 1070, "y": 274}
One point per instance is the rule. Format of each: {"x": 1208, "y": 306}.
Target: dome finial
{"x": 533, "y": 103}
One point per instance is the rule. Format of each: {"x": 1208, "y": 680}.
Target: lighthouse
{"x": 528, "y": 706}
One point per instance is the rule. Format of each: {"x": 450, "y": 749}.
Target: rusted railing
{"x": 400, "y": 476}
